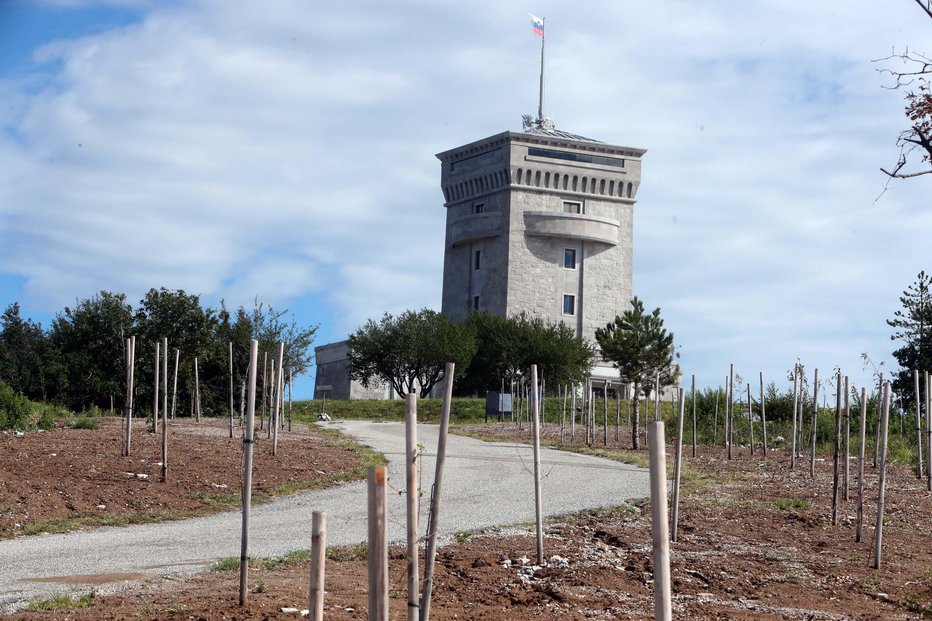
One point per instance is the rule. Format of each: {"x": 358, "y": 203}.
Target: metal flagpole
{"x": 543, "y": 35}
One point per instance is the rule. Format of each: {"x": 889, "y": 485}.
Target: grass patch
{"x": 61, "y": 601}
{"x": 228, "y": 563}
{"x": 785, "y": 504}
{"x": 85, "y": 422}
{"x": 353, "y": 552}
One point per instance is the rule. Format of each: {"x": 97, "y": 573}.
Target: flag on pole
{"x": 537, "y": 24}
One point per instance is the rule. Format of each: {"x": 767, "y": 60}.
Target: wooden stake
{"x": 248, "y": 441}
{"x": 175, "y": 382}
{"x": 278, "y": 396}
{"x": 763, "y": 411}
{"x": 231, "y": 389}
{"x": 815, "y": 420}
{"x": 412, "y": 500}
{"x": 861, "y": 451}
{"x": 918, "y": 425}
{"x": 563, "y": 418}
{"x": 155, "y": 388}
{"x": 929, "y": 431}
{"x": 605, "y": 413}
{"x": 715, "y": 424}
{"x": 318, "y": 559}
{"x": 847, "y": 439}
{"x": 877, "y": 426}
{"x": 164, "y": 409}
{"x": 677, "y": 464}
{"x": 656, "y": 445}
{"x": 433, "y": 520}
{"x": 265, "y": 377}
{"x": 795, "y": 413}
{"x": 729, "y": 401}
{"x": 535, "y": 424}
{"x": 885, "y": 420}
{"x": 750, "y": 420}
{"x": 197, "y": 393}
{"x": 693, "y": 397}
{"x": 128, "y": 413}
{"x": 836, "y": 453}
{"x": 573, "y": 409}
{"x": 273, "y": 400}
{"x": 378, "y": 546}
{"x": 290, "y": 385}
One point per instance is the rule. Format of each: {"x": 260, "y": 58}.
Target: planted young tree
{"x": 640, "y": 348}
{"x": 409, "y": 351}
{"x": 912, "y": 326}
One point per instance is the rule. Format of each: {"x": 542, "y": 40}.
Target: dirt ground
{"x": 63, "y": 478}
{"x": 755, "y": 542}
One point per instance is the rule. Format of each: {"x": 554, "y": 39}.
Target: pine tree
{"x": 913, "y": 328}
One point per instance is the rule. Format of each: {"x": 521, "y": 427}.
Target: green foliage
{"x": 410, "y": 351}
{"x": 912, "y": 326}
{"x": 353, "y": 552}
{"x": 785, "y": 504}
{"x": 61, "y": 601}
{"x": 507, "y": 347}
{"x": 29, "y": 363}
{"x": 14, "y": 407}
{"x": 85, "y": 422}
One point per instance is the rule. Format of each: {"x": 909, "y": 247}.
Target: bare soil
{"x": 756, "y": 541}
{"x": 66, "y": 478}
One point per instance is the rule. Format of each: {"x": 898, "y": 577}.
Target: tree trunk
{"x": 635, "y": 440}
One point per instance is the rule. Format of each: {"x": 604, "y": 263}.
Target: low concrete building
{"x": 333, "y": 376}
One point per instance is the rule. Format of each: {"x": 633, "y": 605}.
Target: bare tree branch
{"x": 925, "y": 6}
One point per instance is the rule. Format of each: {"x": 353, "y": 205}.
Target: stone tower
{"x": 540, "y": 221}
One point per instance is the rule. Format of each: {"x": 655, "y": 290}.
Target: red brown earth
{"x": 756, "y": 542}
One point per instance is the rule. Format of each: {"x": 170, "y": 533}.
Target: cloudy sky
{"x": 285, "y": 150}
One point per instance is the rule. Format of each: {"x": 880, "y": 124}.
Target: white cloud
{"x": 286, "y": 151}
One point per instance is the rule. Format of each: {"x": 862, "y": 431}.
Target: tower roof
{"x": 556, "y": 133}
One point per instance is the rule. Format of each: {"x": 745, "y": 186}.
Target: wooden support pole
{"x": 763, "y": 411}
{"x": 729, "y": 406}
{"x": 231, "y": 389}
{"x": 656, "y": 445}
{"x": 929, "y": 431}
{"x": 273, "y": 400}
{"x": 197, "y": 393}
{"x": 563, "y": 418}
{"x": 535, "y": 424}
{"x": 434, "y": 515}
{"x": 815, "y": 420}
{"x": 718, "y": 392}
{"x": 750, "y": 420}
{"x": 877, "y": 425}
{"x": 265, "y": 384}
{"x": 863, "y": 445}
{"x": 248, "y": 441}
{"x": 605, "y": 413}
{"x": 847, "y": 438}
{"x": 693, "y": 398}
{"x": 573, "y": 410}
{"x": 155, "y": 388}
{"x": 175, "y": 382}
{"x": 290, "y": 386}
{"x": 884, "y": 423}
{"x": 411, "y": 458}
{"x": 836, "y": 453}
{"x": 677, "y": 464}
{"x": 918, "y": 424}
{"x": 795, "y": 414}
{"x": 164, "y": 409}
{"x": 128, "y": 413}
{"x": 378, "y": 545}
{"x": 278, "y": 396}
{"x": 318, "y": 560}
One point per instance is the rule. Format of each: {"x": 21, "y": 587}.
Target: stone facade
{"x": 333, "y": 376}
{"x": 541, "y": 222}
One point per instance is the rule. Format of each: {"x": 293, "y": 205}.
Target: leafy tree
{"x": 28, "y": 363}
{"x": 90, "y": 338}
{"x": 912, "y": 75}
{"x": 640, "y": 348}
{"x": 409, "y": 351}
{"x": 507, "y": 347}
{"x": 912, "y": 326}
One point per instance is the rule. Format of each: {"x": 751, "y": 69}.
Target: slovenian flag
{"x": 537, "y": 24}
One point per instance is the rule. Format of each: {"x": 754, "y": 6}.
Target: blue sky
{"x": 285, "y": 150}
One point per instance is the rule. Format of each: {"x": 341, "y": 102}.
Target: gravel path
{"x": 485, "y": 484}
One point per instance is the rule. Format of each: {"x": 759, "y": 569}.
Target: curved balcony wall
{"x": 475, "y": 227}
{"x": 571, "y": 226}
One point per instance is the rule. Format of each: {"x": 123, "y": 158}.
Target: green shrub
{"x": 14, "y": 408}
{"x": 85, "y": 422}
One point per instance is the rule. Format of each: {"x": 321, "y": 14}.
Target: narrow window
{"x": 475, "y": 302}
{"x": 478, "y": 208}
{"x": 571, "y": 207}
{"x": 569, "y": 304}
{"x": 569, "y": 258}
{"x": 477, "y": 260}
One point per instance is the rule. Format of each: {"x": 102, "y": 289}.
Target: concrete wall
{"x": 333, "y": 380}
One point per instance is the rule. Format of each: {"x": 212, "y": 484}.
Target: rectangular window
{"x": 477, "y": 260}
{"x": 475, "y": 302}
{"x": 478, "y": 208}
{"x": 569, "y": 304}
{"x": 571, "y": 207}
{"x": 569, "y": 258}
